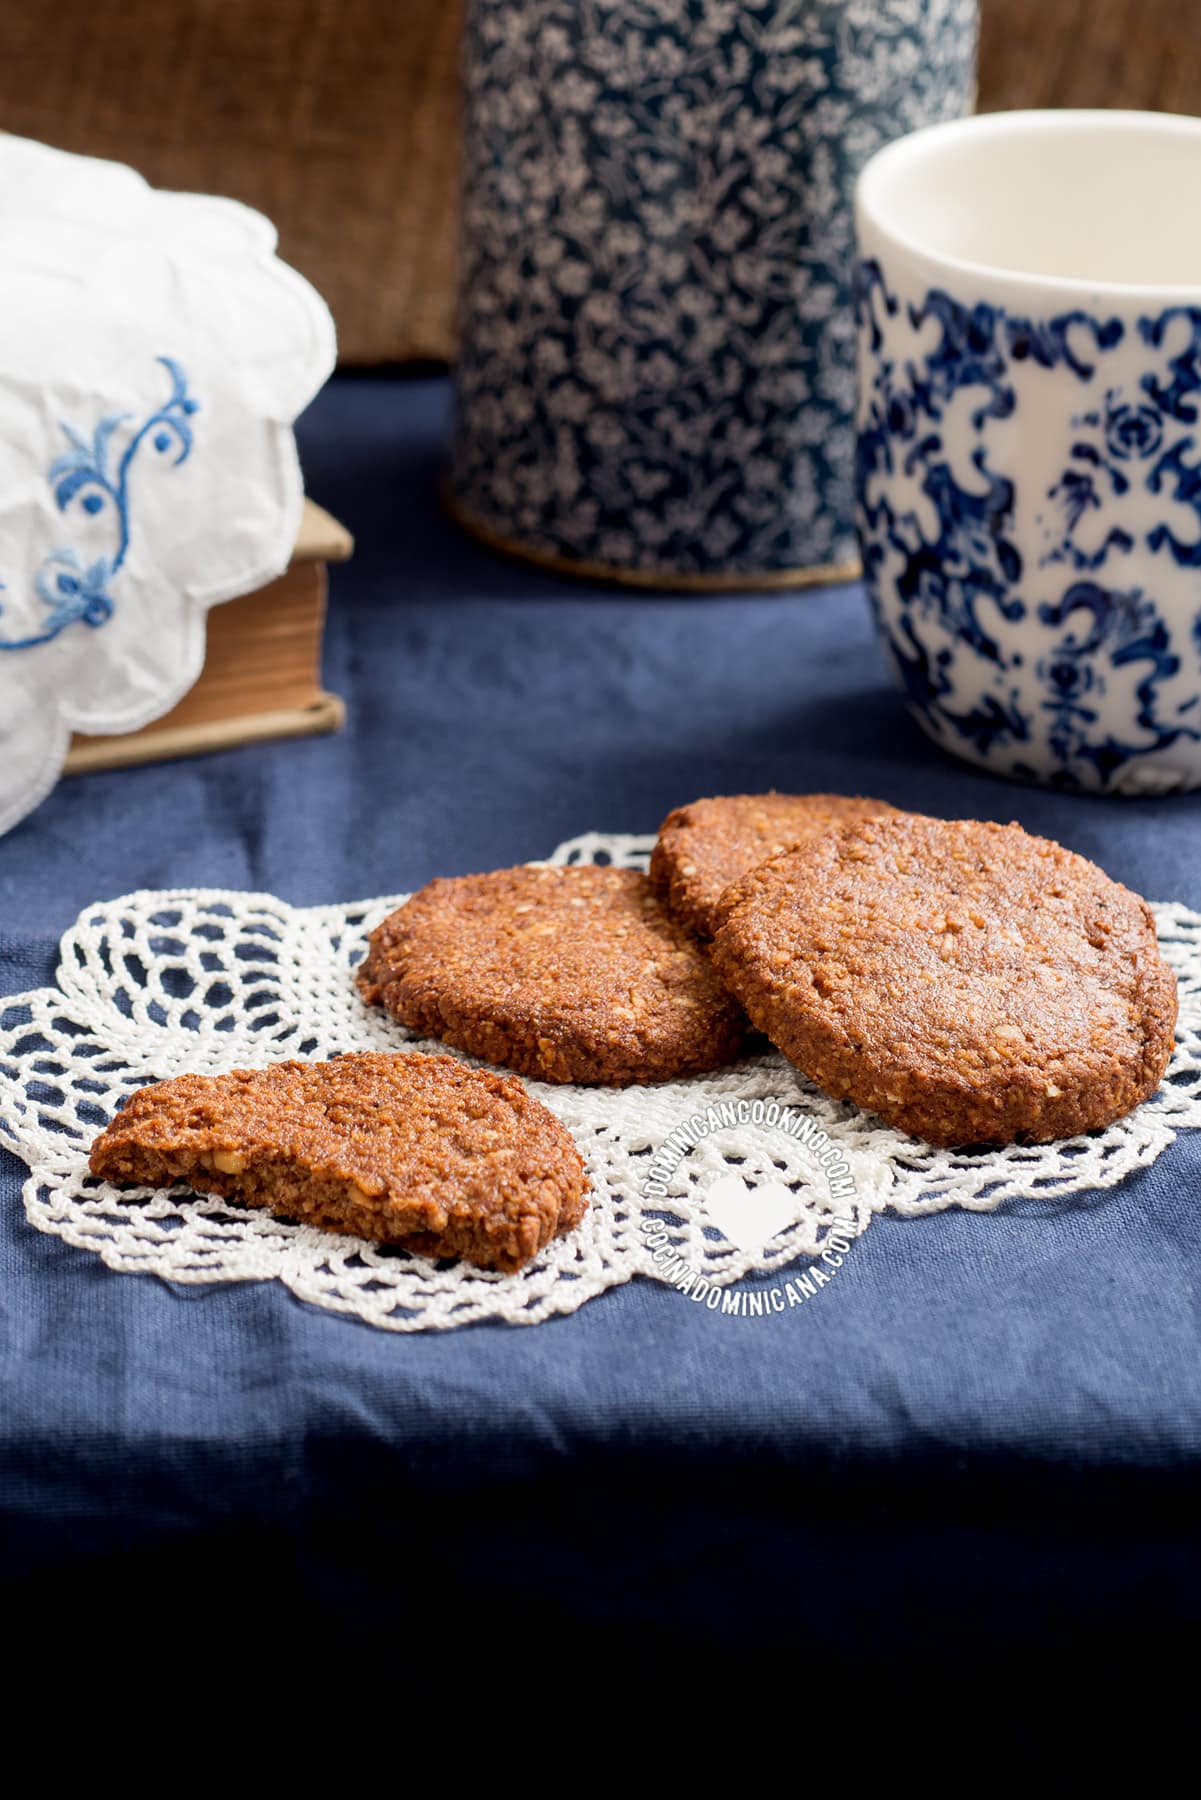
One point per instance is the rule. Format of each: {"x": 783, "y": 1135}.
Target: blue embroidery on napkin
{"x": 75, "y": 592}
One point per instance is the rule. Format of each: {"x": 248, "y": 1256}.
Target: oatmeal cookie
{"x": 969, "y": 983}
{"x": 419, "y": 1151}
{"x": 705, "y": 847}
{"x": 567, "y": 974}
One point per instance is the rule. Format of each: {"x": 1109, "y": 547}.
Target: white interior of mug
{"x": 1099, "y": 199}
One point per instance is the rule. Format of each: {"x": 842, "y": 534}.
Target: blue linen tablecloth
{"x": 981, "y": 1443}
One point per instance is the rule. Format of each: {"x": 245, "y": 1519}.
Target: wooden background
{"x": 338, "y": 117}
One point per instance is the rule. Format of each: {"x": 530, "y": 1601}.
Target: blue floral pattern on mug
{"x": 656, "y": 368}
{"x": 1079, "y": 664}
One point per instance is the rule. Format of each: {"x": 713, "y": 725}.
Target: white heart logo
{"x": 750, "y": 1216}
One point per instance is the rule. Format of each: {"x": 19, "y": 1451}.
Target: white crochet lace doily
{"x": 156, "y": 984}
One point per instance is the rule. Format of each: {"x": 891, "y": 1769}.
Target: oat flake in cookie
{"x": 967, "y": 982}
{"x": 568, "y": 974}
{"x": 704, "y": 847}
{"x": 419, "y": 1151}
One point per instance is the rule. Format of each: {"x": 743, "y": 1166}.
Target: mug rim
{"x": 915, "y": 144}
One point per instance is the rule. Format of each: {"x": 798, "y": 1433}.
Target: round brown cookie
{"x": 568, "y": 974}
{"x": 705, "y": 847}
{"x": 420, "y": 1151}
{"x": 967, "y": 982}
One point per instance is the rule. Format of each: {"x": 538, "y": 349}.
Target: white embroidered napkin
{"x": 154, "y": 353}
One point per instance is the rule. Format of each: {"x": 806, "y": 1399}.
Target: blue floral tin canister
{"x": 657, "y": 354}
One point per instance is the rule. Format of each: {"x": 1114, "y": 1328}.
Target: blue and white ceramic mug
{"x": 1029, "y": 461}
{"x": 656, "y": 370}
